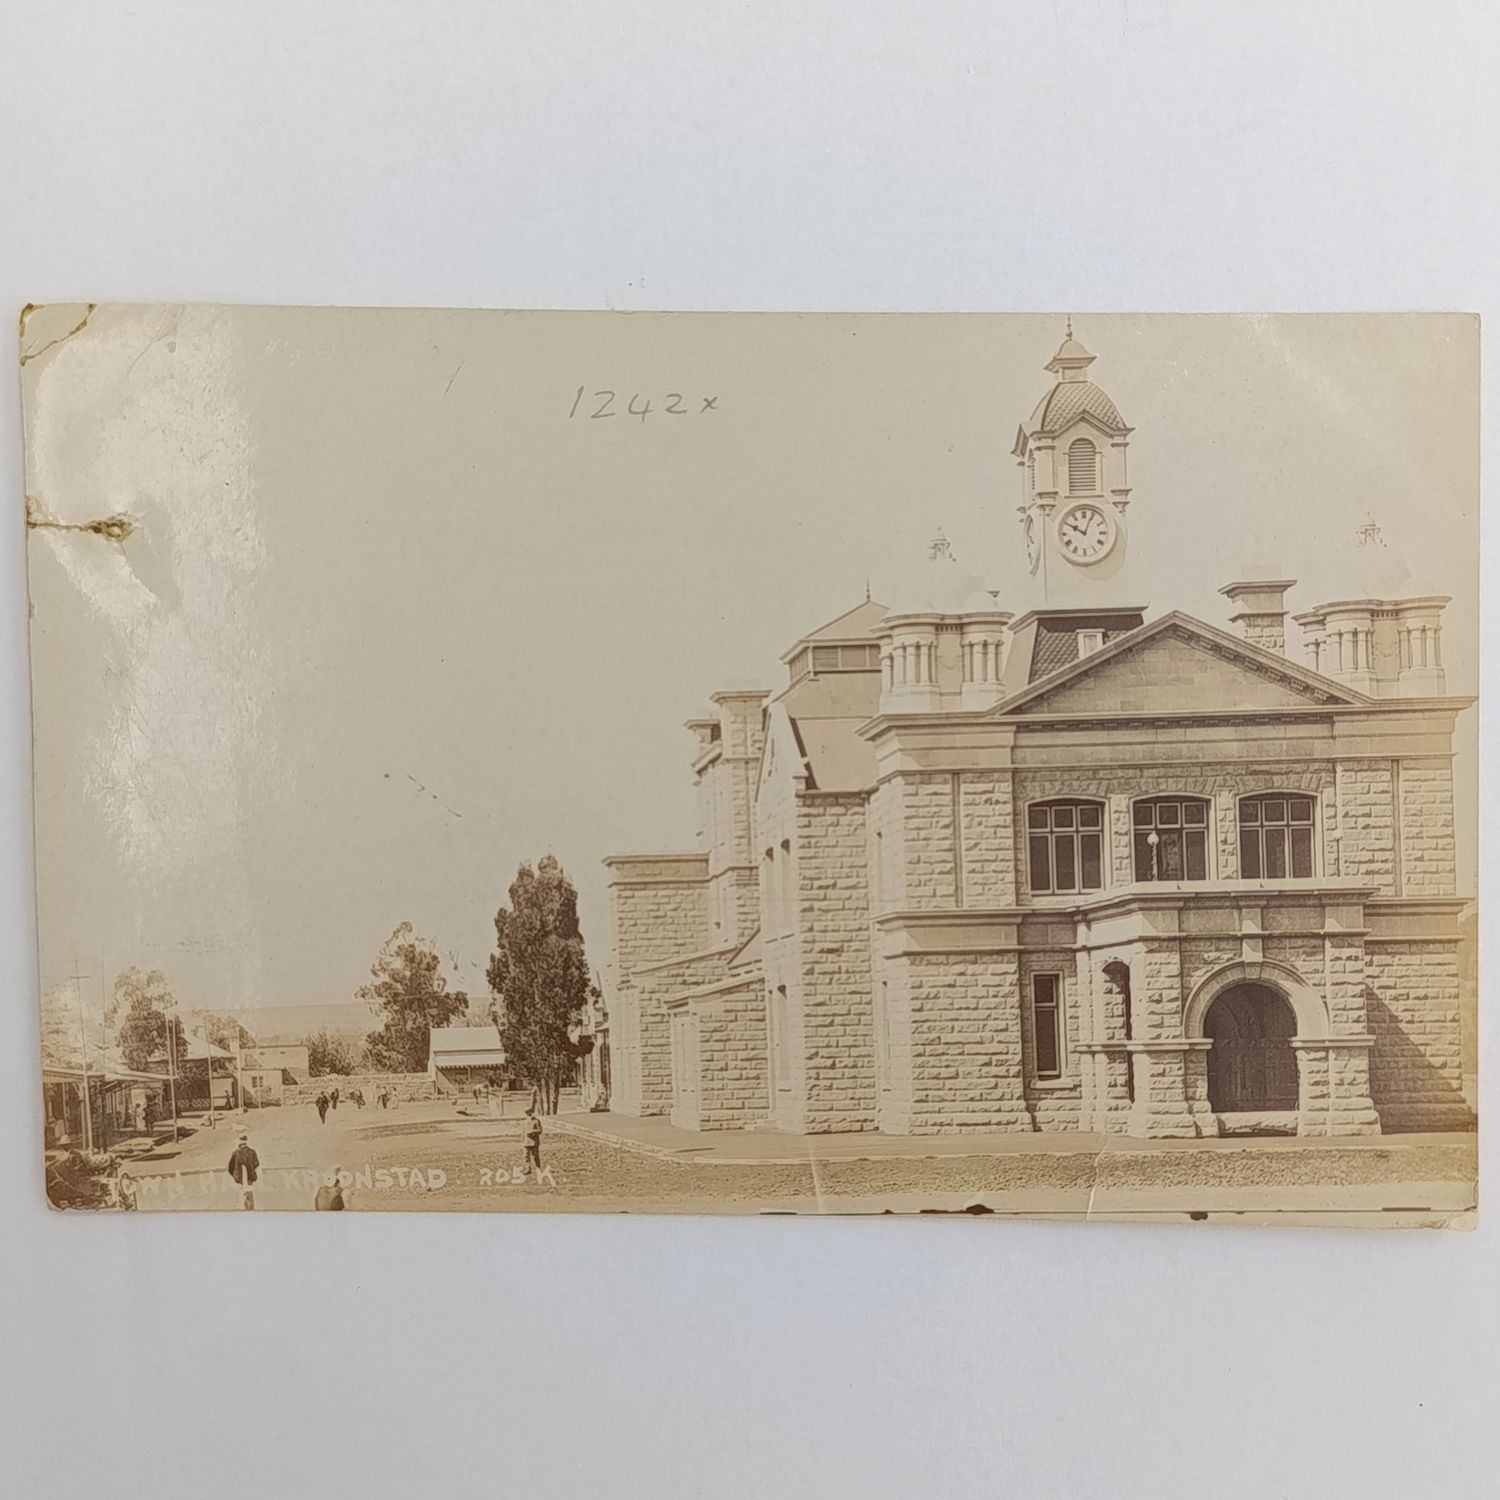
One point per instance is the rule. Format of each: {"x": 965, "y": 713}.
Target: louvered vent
{"x": 1083, "y": 467}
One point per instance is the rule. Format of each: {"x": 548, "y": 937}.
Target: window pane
{"x": 1169, "y": 856}
{"x": 1062, "y": 817}
{"x": 1036, "y": 817}
{"x": 1048, "y": 1052}
{"x": 1249, "y": 812}
{"x": 1041, "y": 864}
{"x": 1301, "y": 809}
{"x": 1273, "y": 810}
{"x": 1302, "y": 852}
{"x": 1065, "y": 852}
{"x": 1194, "y": 814}
{"x": 1142, "y": 857}
{"x": 1275, "y": 853}
{"x": 1093, "y": 863}
{"x": 1167, "y": 814}
{"x": 1197, "y": 857}
{"x": 1044, "y": 987}
{"x": 1250, "y": 856}
{"x": 1089, "y": 815}
{"x": 1142, "y": 818}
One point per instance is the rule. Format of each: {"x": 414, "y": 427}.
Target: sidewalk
{"x": 655, "y": 1135}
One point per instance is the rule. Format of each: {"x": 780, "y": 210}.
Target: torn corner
{"x": 113, "y": 528}
{"x": 44, "y": 327}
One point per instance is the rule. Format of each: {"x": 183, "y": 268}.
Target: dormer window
{"x": 1083, "y": 467}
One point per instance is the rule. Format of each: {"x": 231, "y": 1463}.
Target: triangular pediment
{"x": 1179, "y": 665}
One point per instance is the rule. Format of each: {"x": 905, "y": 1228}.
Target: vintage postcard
{"x": 756, "y": 763}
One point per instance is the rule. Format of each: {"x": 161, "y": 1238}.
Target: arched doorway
{"x": 1251, "y": 1065}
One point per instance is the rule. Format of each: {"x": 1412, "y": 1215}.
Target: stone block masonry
{"x": 1416, "y": 1068}
{"x": 963, "y": 1043}
{"x": 660, "y": 911}
{"x": 837, "y": 1017}
{"x": 732, "y": 1091}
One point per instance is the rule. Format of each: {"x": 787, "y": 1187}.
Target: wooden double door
{"x": 1252, "y": 1065}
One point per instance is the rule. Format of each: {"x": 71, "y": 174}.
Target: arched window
{"x": 1065, "y": 846}
{"x": 1276, "y": 836}
{"x": 1083, "y": 467}
{"x": 1171, "y": 838}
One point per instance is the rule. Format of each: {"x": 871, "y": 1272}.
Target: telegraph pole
{"x": 83, "y": 1035}
{"x": 172, "y": 1066}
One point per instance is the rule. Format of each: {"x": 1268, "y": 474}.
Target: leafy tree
{"x": 62, "y": 1028}
{"x": 408, "y": 986}
{"x": 223, "y": 1030}
{"x": 331, "y": 1052}
{"x": 540, "y": 977}
{"x": 142, "y": 1002}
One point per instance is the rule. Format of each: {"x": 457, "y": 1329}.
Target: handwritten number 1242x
{"x": 604, "y": 404}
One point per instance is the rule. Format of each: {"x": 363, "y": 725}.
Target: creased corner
{"x": 32, "y": 311}
{"x": 114, "y": 528}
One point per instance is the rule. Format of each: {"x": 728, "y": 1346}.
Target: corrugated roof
{"x": 487, "y": 1059}
{"x": 446, "y": 1039}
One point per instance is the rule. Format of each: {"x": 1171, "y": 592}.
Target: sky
{"x": 399, "y": 613}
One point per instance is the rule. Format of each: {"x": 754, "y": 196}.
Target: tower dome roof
{"x": 1070, "y": 399}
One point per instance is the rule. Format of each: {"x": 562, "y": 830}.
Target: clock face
{"x": 1033, "y": 544}
{"x": 1085, "y": 533}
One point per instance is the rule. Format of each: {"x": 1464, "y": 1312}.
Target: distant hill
{"x": 290, "y": 1023}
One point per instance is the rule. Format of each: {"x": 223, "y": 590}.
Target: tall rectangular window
{"x": 1065, "y": 846}
{"x": 1276, "y": 837}
{"x": 1046, "y": 1025}
{"x": 1171, "y": 838}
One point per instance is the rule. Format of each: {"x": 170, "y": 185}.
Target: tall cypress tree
{"x": 540, "y": 977}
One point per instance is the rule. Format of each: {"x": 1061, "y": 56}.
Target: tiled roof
{"x": 1070, "y": 399}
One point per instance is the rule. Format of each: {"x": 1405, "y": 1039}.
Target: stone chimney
{"x": 1260, "y": 611}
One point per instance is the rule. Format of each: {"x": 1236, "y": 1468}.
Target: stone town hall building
{"x": 1063, "y": 870}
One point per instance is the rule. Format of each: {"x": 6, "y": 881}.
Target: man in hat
{"x": 244, "y": 1167}
{"x": 331, "y": 1194}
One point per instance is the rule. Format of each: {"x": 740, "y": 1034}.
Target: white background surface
{"x": 1088, "y": 156}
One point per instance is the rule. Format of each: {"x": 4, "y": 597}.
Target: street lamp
{"x": 1153, "y": 839}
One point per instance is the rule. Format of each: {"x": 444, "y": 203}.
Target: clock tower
{"x": 1075, "y": 489}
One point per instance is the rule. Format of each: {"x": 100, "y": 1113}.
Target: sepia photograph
{"x": 1015, "y": 765}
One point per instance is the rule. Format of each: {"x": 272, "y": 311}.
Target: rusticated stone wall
{"x": 833, "y": 917}
{"x": 1416, "y": 1070}
{"x": 733, "y": 1085}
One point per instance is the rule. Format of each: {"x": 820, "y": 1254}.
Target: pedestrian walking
{"x": 333, "y": 1099}
{"x": 533, "y": 1133}
{"x": 244, "y": 1167}
{"x": 322, "y": 1108}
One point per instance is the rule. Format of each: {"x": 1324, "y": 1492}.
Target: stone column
{"x": 1161, "y": 1110}
{"x": 1333, "y": 1086}
{"x": 1107, "y": 1063}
